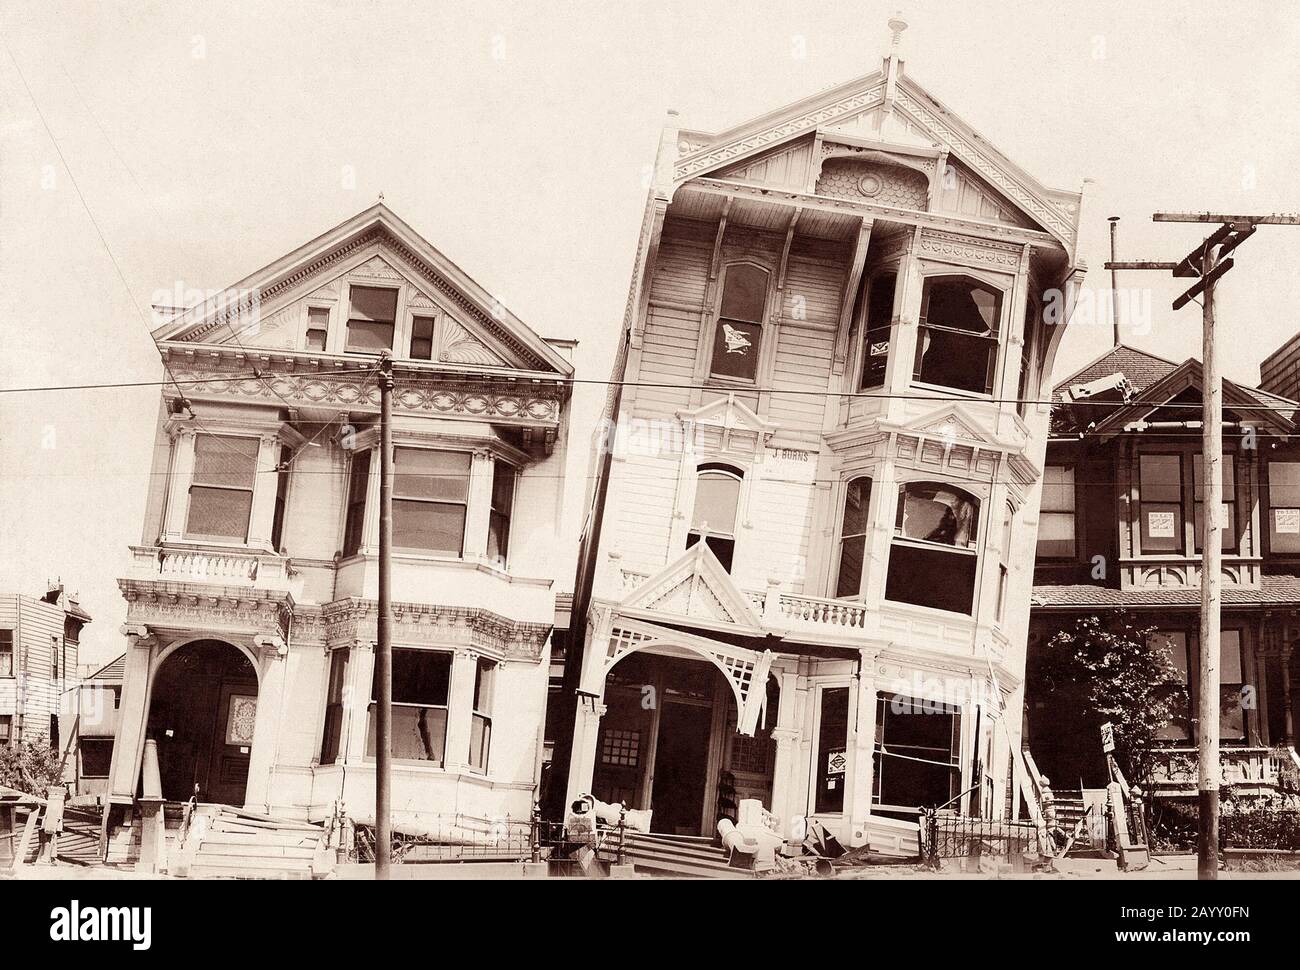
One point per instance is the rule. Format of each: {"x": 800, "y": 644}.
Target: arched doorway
{"x": 668, "y": 742}
{"x": 202, "y": 709}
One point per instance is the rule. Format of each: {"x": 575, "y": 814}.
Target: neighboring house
{"x": 252, "y": 602}
{"x": 1119, "y": 528}
{"x": 39, "y": 644}
{"x": 805, "y": 573}
{"x": 97, "y": 699}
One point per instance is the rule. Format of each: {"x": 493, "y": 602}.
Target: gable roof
{"x": 377, "y": 223}
{"x": 114, "y": 670}
{"x": 1141, "y": 368}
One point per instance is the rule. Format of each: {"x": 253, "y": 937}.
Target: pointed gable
{"x": 696, "y": 588}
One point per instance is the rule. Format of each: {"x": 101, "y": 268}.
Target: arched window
{"x": 932, "y": 558}
{"x": 957, "y": 345}
{"x": 739, "y": 334}
{"x": 880, "y": 314}
{"x": 853, "y": 538}
{"x": 717, "y": 501}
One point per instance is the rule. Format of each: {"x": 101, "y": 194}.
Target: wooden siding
{"x": 33, "y": 695}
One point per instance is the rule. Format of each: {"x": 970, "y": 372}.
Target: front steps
{"x": 225, "y": 842}
{"x": 659, "y": 854}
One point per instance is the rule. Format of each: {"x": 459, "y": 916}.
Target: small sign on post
{"x": 1108, "y": 738}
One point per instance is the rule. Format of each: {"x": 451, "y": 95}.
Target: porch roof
{"x": 1279, "y": 590}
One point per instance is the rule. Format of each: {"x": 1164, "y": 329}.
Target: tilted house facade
{"x": 805, "y": 575}
{"x": 251, "y": 605}
{"x": 1120, "y": 530}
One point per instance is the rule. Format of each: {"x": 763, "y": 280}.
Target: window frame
{"x": 970, "y": 551}
{"x": 1273, "y": 507}
{"x": 761, "y": 324}
{"x": 349, "y": 320}
{"x": 894, "y": 272}
{"x": 693, "y": 535}
{"x": 481, "y": 709}
{"x": 495, "y": 514}
{"x": 186, "y": 533}
{"x": 842, "y": 537}
{"x": 445, "y": 707}
{"x": 1192, "y": 646}
{"x": 1072, "y": 512}
{"x": 7, "y": 650}
{"x": 997, "y": 339}
{"x": 464, "y": 503}
{"x": 309, "y": 329}
{"x": 82, "y": 741}
{"x": 1231, "y": 534}
{"x": 1142, "y": 503}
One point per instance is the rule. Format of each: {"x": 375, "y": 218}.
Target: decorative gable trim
{"x": 726, "y": 425}
{"x": 698, "y": 589}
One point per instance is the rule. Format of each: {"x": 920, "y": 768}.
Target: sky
{"x": 151, "y": 147}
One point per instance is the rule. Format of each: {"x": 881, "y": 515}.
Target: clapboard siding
{"x": 645, "y": 486}
{"x": 779, "y": 520}
{"x": 38, "y": 632}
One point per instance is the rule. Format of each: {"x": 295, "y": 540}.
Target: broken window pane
{"x": 917, "y": 752}
{"x": 958, "y": 338}
{"x": 932, "y": 559}
{"x": 880, "y": 312}
{"x": 420, "y": 684}
{"x": 936, "y": 512}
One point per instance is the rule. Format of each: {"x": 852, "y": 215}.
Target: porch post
{"x": 582, "y": 762}
{"x": 861, "y": 743}
{"x": 271, "y": 698}
{"x": 786, "y": 734}
{"x": 460, "y": 708}
{"x": 1287, "y": 701}
{"x": 128, "y": 748}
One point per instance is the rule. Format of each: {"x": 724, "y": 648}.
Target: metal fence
{"x": 947, "y": 835}
{"x": 463, "y": 838}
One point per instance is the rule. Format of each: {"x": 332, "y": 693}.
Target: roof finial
{"x": 896, "y": 27}
{"x": 381, "y": 195}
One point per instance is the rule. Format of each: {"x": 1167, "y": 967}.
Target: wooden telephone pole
{"x": 384, "y": 648}
{"x": 1209, "y": 262}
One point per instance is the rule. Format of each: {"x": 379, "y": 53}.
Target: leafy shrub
{"x": 30, "y": 766}
{"x": 1257, "y": 823}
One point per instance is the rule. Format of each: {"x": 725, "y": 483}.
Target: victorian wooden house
{"x": 251, "y": 602}
{"x": 1120, "y": 529}
{"x": 805, "y": 575}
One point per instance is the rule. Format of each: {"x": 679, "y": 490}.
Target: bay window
{"x": 372, "y": 313}
{"x": 917, "y": 757}
{"x": 221, "y": 487}
{"x": 1284, "y": 506}
{"x": 480, "y": 729}
{"x": 421, "y": 679}
{"x": 354, "y": 521}
{"x": 333, "y": 733}
{"x": 717, "y": 501}
{"x": 1056, "y": 526}
{"x": 853, "y": 538}
{"x": 932, "y": 558}
{"x": 957, "y": 343}
{"x": 430, "y": 498}
{"x": 879, "y": 330}
{"x": 738, "y": 336}
{"x": 503, "y": 500}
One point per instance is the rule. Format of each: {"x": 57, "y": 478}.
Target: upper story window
{"x": 503, "y": 501}
{"x": 1026, "y": 361}
{"x": 1160, "y": 502}
{"x": 853, "y": 538}
{"x": 1284, "y": 506}
{"x": 372, "y": 314}
{"x": 876, "y": 340}
{"x": 221, "y": 489}
{"x": 6, "y": 653}
{"x": 1056, "y": 526}
{"x": 354, "y": 521}
{"x": 422, "y": 338}
{"x": 480, "y": 728}
{"x": 1004, "y": 569}
{"x": 1228, "y": 533}
{"x": 717, "y": 501}
{"x": 430, "y": 498}
{"x": 957, "y": 344}
{"x": 318, "y": 327}
{"x": 739, "y": 333}
{"x": 932, "y": 558}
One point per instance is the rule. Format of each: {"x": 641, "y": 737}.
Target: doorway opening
{"x": 202, "y": 713}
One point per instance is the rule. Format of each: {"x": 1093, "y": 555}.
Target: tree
{"x": 1112, "y": 670}
{"x": 30, "y": 766}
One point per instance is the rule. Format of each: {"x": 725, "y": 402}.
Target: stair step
{"x": 238, "y": 871}
{"x": 255, "y": 850}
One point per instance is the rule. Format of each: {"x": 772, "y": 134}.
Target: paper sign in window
{"x": 1160, "y": 525}
{"x": 1286, "y": 521}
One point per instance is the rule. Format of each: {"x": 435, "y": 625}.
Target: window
{"x": 1228, "y": 535}
{"x": 1026, "y": 361}
{"x": 54, "y": 732}
{"x": 96, "y": 757}
{"x": 430, "y": 495}
{"x": 1232, "y": 715}
{"x": 503, "y": 500}
{"x": 422, "y": 338}
{"x": 620, "y": 748}
{"x": 880, "y": 314}
{"x": 281, "y": 496}
{"x": 917, "y": 754}
{"x": 739, "y": 334}
{"x": 420, "y": 681}
{"x": 54, "y": 658}
{"x": 1004, "y": 569}
{"x": 1174, "y": 642}
{"x": 717, "y": 499}
{"x": 1160, "y": 494}
{"x": 957, "y": 342}
{"x": 6, "y": 653}
{"x": 333, "y": 734}
{"x": 1056, "y": 530}
{"x": 354, "y": 523}
{"x": 1284, "y": 506}
{"x": 370, "y": 319}
{"x": 318, "y": 327}
{"x": 480, "y": 729}
{"x": 853, "y": 538}
{"x": 221, "y": 491}
{"x": 932, "y": 558}
{"x": 832, "y": 749}
{"x": 6, "y": 728}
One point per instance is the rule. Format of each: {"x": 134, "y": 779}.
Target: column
{"x": 480, "y": 505}
{"x": 128, "y": 747}
{"x": 907, "y": 312}
{"x": 273, "y": 685}
{"x": 786, "y": 735}
{"x": 861, "y": 744}
{"x": 178, "y": 489}
{"x": 460, "y": 708}
{"x": 582, "y": 761}
{"x": 356, "y": 702}
{"x": 262, "y": 516}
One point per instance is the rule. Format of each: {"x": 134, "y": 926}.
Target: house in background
{"x": 39, "y": 650}
{"x": 805, "y": 574}
{"x": 252, "y": 602}
{"x": 1119, "y": 528}
{"x": 96, "y": 700}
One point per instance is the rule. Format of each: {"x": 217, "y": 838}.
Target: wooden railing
{"x": 1177, "y": 767}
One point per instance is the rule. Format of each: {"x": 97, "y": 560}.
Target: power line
{"x": 35, "y": 389}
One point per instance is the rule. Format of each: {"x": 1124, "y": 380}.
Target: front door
{"x": 681, "y": 768}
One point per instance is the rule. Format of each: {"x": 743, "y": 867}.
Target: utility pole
{"x": 384, "y": 648}
{"x": 1114, "y": 281}
{"x": 1209, "y": 262}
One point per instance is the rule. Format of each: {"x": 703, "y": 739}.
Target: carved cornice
{"x": 195, "y": 606}
{"x": 356, "y": 620}
{"x": 969, "y": 249}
